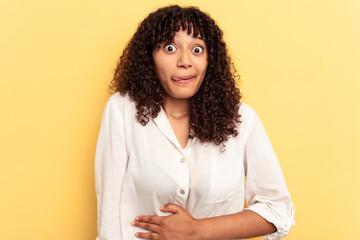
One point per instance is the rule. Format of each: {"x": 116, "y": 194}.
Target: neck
{"x": 176, "y": 108}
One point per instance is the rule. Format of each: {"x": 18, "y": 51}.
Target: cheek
{"x": 203, "y": 65}
{"x": 159, "y": 64}
{"x": 204, "y": 68}
{"x": 159, "y": 72}
{"x": 163, "y": 68}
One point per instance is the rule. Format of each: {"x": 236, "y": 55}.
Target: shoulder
{"x": 246, "y": 112}
{"x": 120, "y": 105}
{"x": 249, "y": 119}
{"x": 119, "y": 99}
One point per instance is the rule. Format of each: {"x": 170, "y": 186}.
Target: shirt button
{"x": 182, "y": 191}
{"x": 182, "y": 160}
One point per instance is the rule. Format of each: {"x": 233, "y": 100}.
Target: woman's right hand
{"x": 178, "y": 226}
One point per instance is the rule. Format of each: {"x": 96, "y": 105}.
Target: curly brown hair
{"x": 213, "y": 115}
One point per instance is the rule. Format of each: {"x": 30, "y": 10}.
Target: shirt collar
{"x": 164, "y": 126}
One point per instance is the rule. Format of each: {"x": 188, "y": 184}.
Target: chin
{"x": 182, "y": 96}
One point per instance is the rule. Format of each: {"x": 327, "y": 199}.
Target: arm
{"x": 266, "y": 192}
{"x": 181, "y": 225}
{"x": 110, "y": 165}
{"x": 245, "y": 224}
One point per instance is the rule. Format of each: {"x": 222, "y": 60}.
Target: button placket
{"x": 183, "y": 180}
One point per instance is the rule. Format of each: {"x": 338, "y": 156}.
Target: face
{"x": 181, "y": 65}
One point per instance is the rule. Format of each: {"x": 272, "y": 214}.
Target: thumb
{"x": 173, "y": 208}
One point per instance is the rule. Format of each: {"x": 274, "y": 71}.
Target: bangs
{"x": 182, "y": 19}
{"x": 168, "y": 32}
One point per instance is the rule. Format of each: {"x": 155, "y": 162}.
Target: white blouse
{"x": 141, "y": 168}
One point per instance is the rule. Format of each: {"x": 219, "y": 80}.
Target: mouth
{"x": 183, "y": 79}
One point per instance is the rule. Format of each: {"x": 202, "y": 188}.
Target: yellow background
{"x": 300, "y": 68}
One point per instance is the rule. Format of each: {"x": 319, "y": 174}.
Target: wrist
{"x": 200, "y": 232}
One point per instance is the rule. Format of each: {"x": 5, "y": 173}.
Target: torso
{"x": 160, "y": 165}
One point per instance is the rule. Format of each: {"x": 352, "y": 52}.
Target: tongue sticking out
{"x": 182, "y": 79}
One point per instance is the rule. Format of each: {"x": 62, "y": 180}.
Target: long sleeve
{"x": 266, "y": 190}
{"x": 110, "y": 167}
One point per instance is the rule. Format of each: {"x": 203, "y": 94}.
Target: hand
{"x": 180, "y": 225}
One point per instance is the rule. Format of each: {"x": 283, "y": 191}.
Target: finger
{"x": 173, "y": 208}
{"x": 148, "y": 226}
{"x": 147, "y": 235}
{"x": 149, "y": 219}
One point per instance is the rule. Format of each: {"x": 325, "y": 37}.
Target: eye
{"x": 170, "y": 48}
{"x": 198, "y": 49}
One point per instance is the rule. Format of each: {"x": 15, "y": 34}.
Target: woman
{"x": 176, "y": 143}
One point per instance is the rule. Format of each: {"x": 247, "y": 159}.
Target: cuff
{"x": 283, "y": 223}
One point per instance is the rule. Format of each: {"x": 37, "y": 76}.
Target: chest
{"x": 199, "y": 173}
{"x": 180, "y": 127}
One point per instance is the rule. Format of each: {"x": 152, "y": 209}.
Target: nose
{"x": 184, "y": 60}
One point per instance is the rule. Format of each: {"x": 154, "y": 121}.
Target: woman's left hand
{"x": 179, "y": 225}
